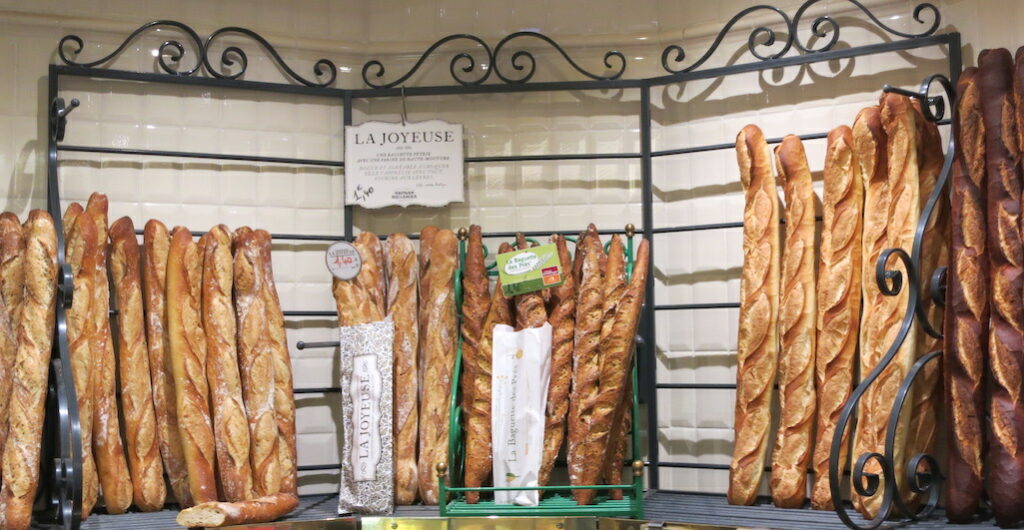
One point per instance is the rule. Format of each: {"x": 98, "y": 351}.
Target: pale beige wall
{"x": 702, "y": 188}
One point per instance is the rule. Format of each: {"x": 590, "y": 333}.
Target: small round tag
{"x": 343, "y": 260}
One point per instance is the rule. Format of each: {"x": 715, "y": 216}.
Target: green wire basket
{"x": 558, "y": 500}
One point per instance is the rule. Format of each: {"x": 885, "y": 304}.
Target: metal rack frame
{"x": 770, "y": 48}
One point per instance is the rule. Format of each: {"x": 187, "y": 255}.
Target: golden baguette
{"x": 562, "y": 318}
{"x": 403, "y": 273}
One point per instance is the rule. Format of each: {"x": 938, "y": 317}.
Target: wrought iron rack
{"x": 771, "y": 49}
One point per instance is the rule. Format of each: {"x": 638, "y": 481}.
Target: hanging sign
{"x": 394, "y": 164}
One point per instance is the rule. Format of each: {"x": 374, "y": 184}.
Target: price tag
{"x": 343, "y": 260}
{"x": 528, "y": 270}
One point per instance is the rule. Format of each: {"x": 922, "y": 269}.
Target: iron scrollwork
{"x": 470, "y": 64}
{"x": 922, "y": 471}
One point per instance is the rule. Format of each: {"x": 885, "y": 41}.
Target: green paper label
{"x": 528, "y": 270}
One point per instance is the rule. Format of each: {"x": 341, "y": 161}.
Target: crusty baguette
{"x": 839, "y": 295}
{"x": 476, "y": 363}
{"x": 108, "y": 449}
{"x": 967, "y": 315}
{"x": 562, "y": 317}
{"x": 284, "y": 397}
{"x": 403, "y": 273}
{"x": 797, "y": 316}
{"x": 1004, "y": 462}
{"x": 614, "y": 286}
{"x": 372, "y": 277}
{"x": 21, "y": 454}
{"x": 136, "y": 389}
{"x": 437, "y": 358}
{"x": 188, "y": 362}
{"x": 261, "y": 510}
{"x": 356, "y": 297}
{"x": 616, "y": 364}
{"x": 586, "y": 370}
{"x": 12, "y": 290}
{"x": 478, "y": 415}
{"x": 530, "y": 310}
{"x": 757, "y": 346}
{"x": 256, "y": 364}
{"x": 155, "y": 243}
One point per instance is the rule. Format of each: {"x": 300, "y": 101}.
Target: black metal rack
{"x": 512, "y": 71}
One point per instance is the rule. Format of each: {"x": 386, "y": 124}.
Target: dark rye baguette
{"x": 476, "y": 362}
{"x": 1004, "y": 461}
{"x": 967, "y": 311}
{"x": 562, "y": 317}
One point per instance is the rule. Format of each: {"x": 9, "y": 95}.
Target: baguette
{"x": 403, "y": 273}
{"x": 614, "y": 286}
{"x": 616, "y": 357}
{"x": 478, "y": 416}
{"x": 284, "y": 397}
{"x": 21, "y": 455}
{"x": 797, "y": 316}
{"x": 355, "y": 297}
{"x": 562, "y": 318}
{"x": 967, "y": 314}
{"x": 1004, "y": 461}
{"x": 256, "y": 363}
{"x": 261, "y": 510}
{"x": 586, "y": 370}
{"x": 437, "y": 356}
{"x": 475, "y": 304}
{"x": 147, "y": 472}
{"x": 371, "y": 275}
{"x": 108, "y": 449}
{"x": 839, "y": 294}
{"x": 155, "y": 243}
{"x": 530, "y": 311}
{"x": 12, "y": 290}
{"x": 757, "y": 346}
{"x": 188, "y": 362}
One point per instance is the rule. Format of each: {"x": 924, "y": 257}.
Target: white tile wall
{"x": 692, "y": 346}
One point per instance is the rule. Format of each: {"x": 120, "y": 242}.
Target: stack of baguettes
{"x": 809, "y": 328}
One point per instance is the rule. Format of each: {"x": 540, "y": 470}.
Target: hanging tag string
{"x": 404, "y": 112}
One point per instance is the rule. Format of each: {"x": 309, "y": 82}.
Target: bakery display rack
{"x": 219, "y": 62}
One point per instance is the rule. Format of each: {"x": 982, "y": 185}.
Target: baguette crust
{"x": 355, "y": 298}
{"x": 156, "y": 242}
{"x": 967, "y": 317}
{"x": 530, "y": 310}
{"x": 371, "y": 276}
{"x": 188, "y": 361}
{"x": 438, "y": 360}
{"x": 757, "y": 347}
{"x": 136, "y": 391}
{"x": 614, "y": 286}
{"x": 478, "y": 418}
{"x": 839, "y": 294}
{"x": 108, "y": 450}
{"x": 228, "y": 413}
{"x": 28, "y": 395}
{"x": 403, "y": 273}
{"x": 475, "y": 305}
{"x": 562, "y": 318}
{"x": 1005, "y": 457}
{"x": 261, "y": 510}
{"x": 284, "y": 397}
{"x": 12, "y": 249}
{"x": 797, "y": 315}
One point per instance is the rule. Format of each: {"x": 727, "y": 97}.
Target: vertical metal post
{"x": 955, "y": 61}
{"x": 648, "y": 361}
{"x": 349, "y": 210}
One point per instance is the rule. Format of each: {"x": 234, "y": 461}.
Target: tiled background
{"x": 692, "y": 346}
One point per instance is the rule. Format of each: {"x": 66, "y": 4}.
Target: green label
{"x": 529, "y": 270}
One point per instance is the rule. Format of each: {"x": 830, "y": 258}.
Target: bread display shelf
{"x": 187, "y": 60}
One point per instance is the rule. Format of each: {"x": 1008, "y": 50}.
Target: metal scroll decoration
{"x": 763, "y": 37}
{"x": 922, "y": 470}
{"x": 170, "y": 54}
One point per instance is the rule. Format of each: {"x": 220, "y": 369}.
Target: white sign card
{"x": 391, "y": 164}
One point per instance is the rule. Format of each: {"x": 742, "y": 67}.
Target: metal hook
{"x": 59, "y": 117}
{"x": 405, "y": 114}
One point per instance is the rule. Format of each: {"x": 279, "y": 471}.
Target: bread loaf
{"x": 188, "y": 362}
{"x": 284, "y": 397}
{"x": 616, "y": 362}
{"x": 12, "y": 247}
{"x": 476, "y": 364}
{"x": 403, "y": 273}
{"x": 530, "y": 311}
{"x": 437, "y": 358}
{"x": 356, "y": 298}
{"x": 797, "y": 316}
{"x": 1004, "y": 460}
{"x": 21, "y": 455}
{"x": 261, "y": 510}
{"x": 478, "y": 420}
{"x": 967, "y": 314}
{"x": 586, "y": 369}
{"x": 614, "y": 286}
{"x": 108, "y": 449}
{"x": 372, "y": 277}
{"x": 562, "y": 317}
{"x": 757, "y": 346}
{"x": 136, "y": 389}
{"x": 839, "y": 293}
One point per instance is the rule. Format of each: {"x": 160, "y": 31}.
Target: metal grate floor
{"x": 666, "y": 507}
